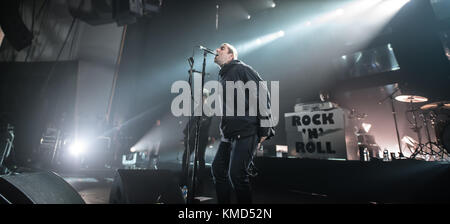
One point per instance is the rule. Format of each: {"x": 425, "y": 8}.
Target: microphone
{"x": 207, "y": 50}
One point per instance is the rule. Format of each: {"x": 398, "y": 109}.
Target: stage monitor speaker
{"x": 37, "y": 188}
{"x": 145, "y": 187}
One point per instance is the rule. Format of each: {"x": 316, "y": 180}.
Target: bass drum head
{"x": 443, "y": 135}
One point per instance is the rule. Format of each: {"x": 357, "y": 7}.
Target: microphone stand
{"x": 191, "y": 192}
{"x": 391, "y": 96}
{"x": 188, "y": 137}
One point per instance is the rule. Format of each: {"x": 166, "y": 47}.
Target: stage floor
{"x": 306, "y": 181}
{"x": 94, "y": 187}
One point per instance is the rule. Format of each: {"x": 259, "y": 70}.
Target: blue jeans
{"x": 230, "y": 169}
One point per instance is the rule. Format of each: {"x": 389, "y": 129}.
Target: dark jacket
{"x": 233, "y": 126}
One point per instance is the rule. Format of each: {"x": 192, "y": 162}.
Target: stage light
{"x": 280, "y": 149}
{"x": 249, "y": 17}
{"x": 273, "y": 5}
{"x": 390, "y": 47}
{"x": 133, "y": 149}
{"x": 77, "y": 148}
{"x": 366, "y": 127}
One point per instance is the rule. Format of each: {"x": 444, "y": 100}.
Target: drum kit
{"x": 434, "y": 116}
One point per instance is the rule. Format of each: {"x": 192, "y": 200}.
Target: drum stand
{"x": 420, "y": 147}
{"x": 394, "y": 114}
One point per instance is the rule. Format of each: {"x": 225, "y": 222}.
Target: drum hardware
{"x": 412, "y": 99}
{"x": 402, "y": 98}
{"x": 436, "y": 150}
{"x": 440, "y": 113}
{"x": 355, "y": 115}
{"x": 410, "y": 142}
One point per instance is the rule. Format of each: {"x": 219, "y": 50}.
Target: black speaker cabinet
{"x": 145, "y": 187}
{"x": 37, "y": 188}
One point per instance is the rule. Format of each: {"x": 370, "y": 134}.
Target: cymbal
{"x": 411, "y": 99}
{"x": 436, "y": 105}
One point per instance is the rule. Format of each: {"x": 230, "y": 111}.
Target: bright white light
{"x": 328, "y": 17}
{"x": 248, "y": 17}
{"x": 339, "y": 12}
{"x": 361, "y": 6}
{"x": 281, "y": 148}
{"x": 133, "y": 149}
{"x": 393, "y": 5}
{"x": 344, "y": 57}
{"x": 273, "y": 5}
{"x": 258, "y": 42}
{"x": 270, "y": 37}
{"x": 77, "y": 148}
{"x": 366, "y": 127}
{"x": 409, "y": 141}
{"x": 345, "y": 13}
{"x": 358, "y": 56}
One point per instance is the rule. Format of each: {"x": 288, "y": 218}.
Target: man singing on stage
{"x": 241, "y": 135}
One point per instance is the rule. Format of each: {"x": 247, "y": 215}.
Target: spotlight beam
{"x": 259, "y": 42}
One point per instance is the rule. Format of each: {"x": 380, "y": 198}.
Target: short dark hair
{"x": 232, "y": 49}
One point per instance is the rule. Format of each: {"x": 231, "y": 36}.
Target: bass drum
{"x": 443, "y": 134}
